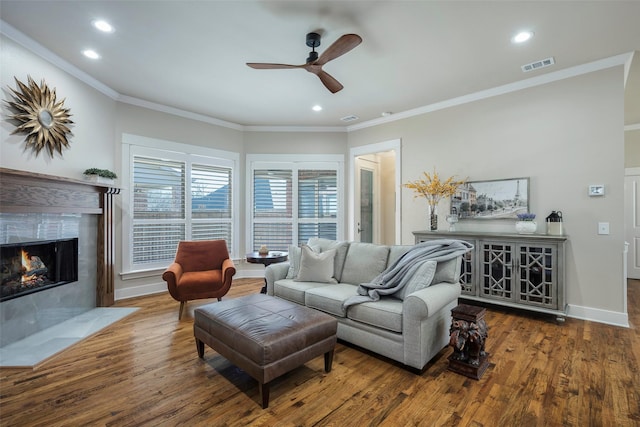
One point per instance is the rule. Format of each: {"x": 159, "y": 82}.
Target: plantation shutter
{"x": 211, "y": 203}
{"x": 291, "y": 205}
{"x": 158, "y": 209}
{"x": 317, "y": 204}
{"x": 272, "y": 208}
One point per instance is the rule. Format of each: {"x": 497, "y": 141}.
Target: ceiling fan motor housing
{"x": 313, "y": 41}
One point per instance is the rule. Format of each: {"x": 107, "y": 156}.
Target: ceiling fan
{"x": 314, "y": 63}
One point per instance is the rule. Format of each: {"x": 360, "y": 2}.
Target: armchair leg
{"x": 181, "y": 309}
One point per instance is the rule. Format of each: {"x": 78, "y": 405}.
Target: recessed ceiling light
{"x": 91, "y": 54}
{"x": 386, "y": 113}
{"x": 103, "y": 26}
{"x": 316, "y": 108}
{"x": 522, "y": 37}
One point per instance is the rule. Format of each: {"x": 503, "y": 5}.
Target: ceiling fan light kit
{"x": 314, "y": 62}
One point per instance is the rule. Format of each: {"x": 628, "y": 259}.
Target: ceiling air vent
{"x": 349, "y": 118}
{"x": 538, "y": 64}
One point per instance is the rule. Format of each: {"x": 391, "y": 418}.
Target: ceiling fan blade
{"x": 329, "y": 81}
{"x": 267, "y": 66}
{"x": 341, "y": 46}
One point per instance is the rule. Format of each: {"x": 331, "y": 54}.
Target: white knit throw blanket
{"x": 398, "y": 274}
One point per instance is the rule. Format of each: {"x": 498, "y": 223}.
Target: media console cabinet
{"x": 524, "y": 271}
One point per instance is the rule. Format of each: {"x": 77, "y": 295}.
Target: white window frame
{"x": 295, "y": 163}
{"x": 135, "y": 145}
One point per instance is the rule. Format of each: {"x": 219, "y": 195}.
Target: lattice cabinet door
{"x": 467, "y": 273}
{"x": 537, "y": 275}
{"x": 496, "y": 270}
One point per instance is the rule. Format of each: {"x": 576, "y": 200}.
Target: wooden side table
{"x": 266, "y": 259}
{"x": 468, "y": 334}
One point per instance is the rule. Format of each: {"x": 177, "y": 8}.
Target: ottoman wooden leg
{"x": 264, "y": 395}
{"x": 200, "y": 347}
{"x": 328, "y": 361}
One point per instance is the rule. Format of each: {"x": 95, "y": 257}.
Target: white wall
{"x": 564, "y": 136}
{"x": 295, "y": 142}
{"x": 92, "y": 143}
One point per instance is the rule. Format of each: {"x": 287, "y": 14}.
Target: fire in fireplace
{"x": 29, "y": 267}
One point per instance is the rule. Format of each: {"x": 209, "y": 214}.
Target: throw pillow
{"x": 316, "y": 267}
{"x": 320, "y": 244}
{"x": 294, "y": 261}
{"x": 448, "y": 271}
{"x": 421, "y": 279}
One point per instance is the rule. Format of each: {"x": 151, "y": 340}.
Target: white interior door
{"x": 632, "y": 222}
{"x": 385, "y": 159}
{"x": 366, "y": 211}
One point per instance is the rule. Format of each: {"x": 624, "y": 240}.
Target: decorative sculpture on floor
{"x": 467, "y": 337}
{"x": 467, "y": 340}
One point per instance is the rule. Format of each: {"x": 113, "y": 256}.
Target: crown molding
{"x": 295, "y": 128}
{"x": 178, "y": 112}
{"x": 566, "y": 73}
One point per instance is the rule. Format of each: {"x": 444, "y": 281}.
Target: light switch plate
{"x": 596, "y": 190}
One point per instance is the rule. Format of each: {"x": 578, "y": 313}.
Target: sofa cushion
{"x": 422, "y": 278}
{"x": 294, "y": 291}
{"x": 329, "y": 298}
{"x": 396, "y": 252}
{"x": 321, "y": 245}
{"x": 385, "y": 313}
{"x": 447, "y": 271}
{"x": 364, "y": 261}
{"x": 316, "y": 267}
{"x": 295, "y": 252}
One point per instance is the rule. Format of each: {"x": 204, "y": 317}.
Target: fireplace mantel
{"x": 28, "y": 192}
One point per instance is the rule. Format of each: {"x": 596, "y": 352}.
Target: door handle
{"x": 359, "y": 229}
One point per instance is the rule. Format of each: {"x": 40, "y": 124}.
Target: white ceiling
{"x": 191, "y": 55}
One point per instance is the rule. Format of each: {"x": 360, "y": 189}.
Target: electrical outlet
{"x": 603, "y": 228}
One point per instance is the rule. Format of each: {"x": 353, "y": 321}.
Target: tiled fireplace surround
{"x": 39, "y": 207}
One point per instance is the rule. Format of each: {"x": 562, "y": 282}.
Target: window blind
{"x": 163, "y": 214}
{"x": 313, "y": 193}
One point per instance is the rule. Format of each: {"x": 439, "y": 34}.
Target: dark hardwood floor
{"x": 145, "y": 371}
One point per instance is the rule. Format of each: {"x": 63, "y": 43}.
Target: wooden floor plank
{"x": 144, "y": 371}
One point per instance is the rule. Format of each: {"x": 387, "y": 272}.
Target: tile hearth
{"x": 37, "y": 348}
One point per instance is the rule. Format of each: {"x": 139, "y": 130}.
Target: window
{"x": 175, "y": 196}
{"x": 159, "y": 209}
{"x": 293, "y": 201}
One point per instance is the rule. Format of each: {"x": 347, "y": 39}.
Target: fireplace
{"x": 29, "y": 267}
{"x": 37, "y": 208}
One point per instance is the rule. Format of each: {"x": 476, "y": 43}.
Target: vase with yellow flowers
{"x": 432, "y": 188}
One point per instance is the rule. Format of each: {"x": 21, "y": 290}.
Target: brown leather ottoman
{"x": 265, "y": 336}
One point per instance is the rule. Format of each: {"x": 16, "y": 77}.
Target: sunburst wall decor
{"x": 42, "y": 118}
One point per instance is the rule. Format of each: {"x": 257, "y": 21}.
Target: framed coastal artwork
{"x": 493, "y": 199}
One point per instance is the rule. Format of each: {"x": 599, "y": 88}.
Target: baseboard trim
{"x": 614, "y": 318}
{"x": 140, "y": 291}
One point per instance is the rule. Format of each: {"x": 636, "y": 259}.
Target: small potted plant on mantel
{"x": 100, "y": 176}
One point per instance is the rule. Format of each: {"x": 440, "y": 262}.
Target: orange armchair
{"x": 202, "y": 269}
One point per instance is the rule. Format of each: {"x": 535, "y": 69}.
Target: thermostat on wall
{"x": 596, "y": 190}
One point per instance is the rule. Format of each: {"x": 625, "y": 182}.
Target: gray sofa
{"x": 410, "y": 328}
